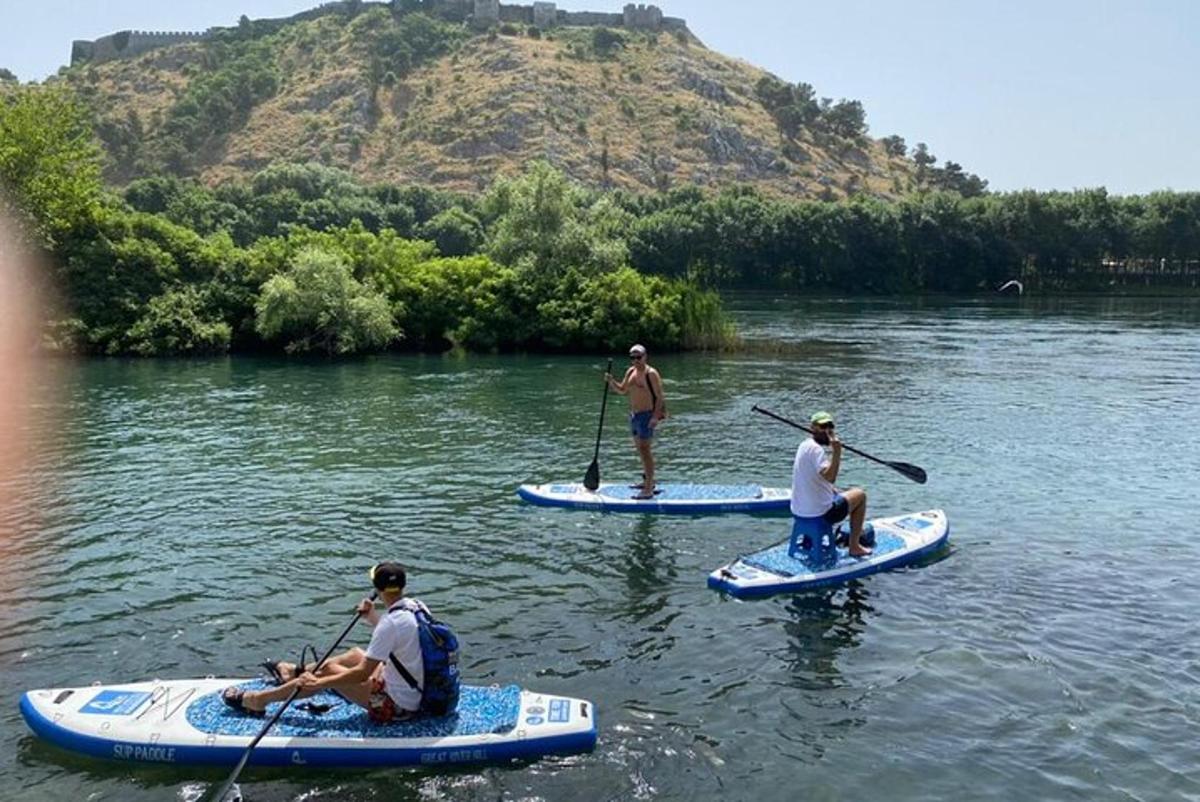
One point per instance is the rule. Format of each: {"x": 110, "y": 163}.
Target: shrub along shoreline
{"x": 304, "y": 259}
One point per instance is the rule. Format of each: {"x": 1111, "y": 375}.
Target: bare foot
{"x": 242, "y": 700}
{"x": 861, "y": 551}
{"x": 287, "y": 671}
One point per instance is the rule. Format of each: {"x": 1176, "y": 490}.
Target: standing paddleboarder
{"x": 647, "y": 407}
{"x": 813, "y": 475}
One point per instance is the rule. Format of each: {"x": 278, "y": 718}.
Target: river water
{"x": 195, "y": 517}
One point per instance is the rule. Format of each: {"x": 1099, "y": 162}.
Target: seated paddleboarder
{"x": 647, "y": 407}
{"x": 369, "y": 679}
{"x": 813, "y": 492}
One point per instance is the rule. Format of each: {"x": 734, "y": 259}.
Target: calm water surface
{"x": 196, "y": 517}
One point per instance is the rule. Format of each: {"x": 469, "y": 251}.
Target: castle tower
{"x": 545, "y": 15}
{"x": 487, "y": 13}
{"x": 642, "y": 17}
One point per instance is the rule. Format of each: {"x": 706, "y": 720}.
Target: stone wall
{"x": 591, "y": 18}
{"x": 126, "y": 44}
{"x": 482, "y": 14}
{"x": 520, "y": 15}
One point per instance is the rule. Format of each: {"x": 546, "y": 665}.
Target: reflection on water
{"x": 821, "y": 625}
{"x": 196, "y": 517}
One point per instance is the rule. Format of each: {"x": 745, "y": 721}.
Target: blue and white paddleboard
{"x": 185, "y": 722}
{"x": 898, "y": 541}
{"x": 682, "y": 499}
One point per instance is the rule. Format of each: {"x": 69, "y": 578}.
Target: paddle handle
{"x": 603, "y": 407}
{"x": 229, "y": 782}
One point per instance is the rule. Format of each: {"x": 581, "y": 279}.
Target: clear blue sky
{"x": 1048, "y": 94}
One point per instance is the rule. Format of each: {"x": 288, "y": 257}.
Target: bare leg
{"x": 856, "y": 497}
{"x": 357, "y": 692}
{"x": 334, "y": 665}
{"x": 647, "y": 457}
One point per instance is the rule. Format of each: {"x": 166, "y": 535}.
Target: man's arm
{"x": 621, "y": 387}
{"x": 830, "y": 471}
{"x": 660, "y": 408}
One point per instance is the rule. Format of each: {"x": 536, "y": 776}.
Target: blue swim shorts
{"x": 639, "y": 422}
{"x": 839, "y": 510}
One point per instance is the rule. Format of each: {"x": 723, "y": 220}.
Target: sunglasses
{"x": 825, "y": 427}
{"x": 636, "y": 356}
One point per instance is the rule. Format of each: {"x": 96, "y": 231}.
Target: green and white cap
{"x": 821, "y": 418}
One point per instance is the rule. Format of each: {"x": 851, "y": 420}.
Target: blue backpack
{"x": 439, "y": 655}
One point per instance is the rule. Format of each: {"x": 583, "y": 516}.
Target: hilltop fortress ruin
{"x": 480, "y": 14}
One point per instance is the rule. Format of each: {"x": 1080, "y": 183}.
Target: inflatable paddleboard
{"x": 898, "y": 541}
{"x": 186, "y": 722}
{"x": 682, "y": 499}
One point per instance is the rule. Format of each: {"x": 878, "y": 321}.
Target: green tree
{"x": 539, "y": 223}
{"x": 317, "y": 305}
{"x": 846, "y": 119}
{"x": 181, "y": 322}
{"x": 454, "y": 231}
{"x": 49, "y": 162}
{"x": 605, "y": 41}
{"x": 894, "y": 145}
{"x": 923, "y": 159}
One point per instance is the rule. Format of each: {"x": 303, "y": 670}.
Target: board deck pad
{"x": 669, "y": 497}
{"x": 776, "y": 560}
{"x": 666, "y": 492}
{"x": 480, "y": 710}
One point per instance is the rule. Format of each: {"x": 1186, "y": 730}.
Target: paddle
{"x": 591, "y": 480}
{"x": 220, "y": 795}
{"x": 911, "y": 471}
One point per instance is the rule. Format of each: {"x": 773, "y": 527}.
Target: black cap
{"x": 389, "y": 576}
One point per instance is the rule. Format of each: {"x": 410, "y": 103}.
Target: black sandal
{"x": 272, "y": 667}
{"x": 235, "y": 697}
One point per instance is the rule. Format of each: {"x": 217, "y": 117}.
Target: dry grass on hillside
{"x": 660, "y": 112}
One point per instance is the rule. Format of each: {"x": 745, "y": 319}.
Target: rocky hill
{"x": 395, "y": 95}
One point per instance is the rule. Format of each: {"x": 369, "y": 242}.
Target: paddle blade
{"x": 591, "y": 479}
{"x": 911, "y": 471}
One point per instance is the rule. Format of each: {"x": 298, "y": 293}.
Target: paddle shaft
{"x": 603, "y": 407}
{"x": 224, "y": 789}
{"x": 911, "y": 471}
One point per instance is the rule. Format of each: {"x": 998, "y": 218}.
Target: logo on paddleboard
{"x": 115, "y": 703}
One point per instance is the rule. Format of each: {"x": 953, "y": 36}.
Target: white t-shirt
{"x": 812, "y": 494}
{"x": 397, "y": 633}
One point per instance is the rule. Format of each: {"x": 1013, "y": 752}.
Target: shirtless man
{"x": 647, "y": 407}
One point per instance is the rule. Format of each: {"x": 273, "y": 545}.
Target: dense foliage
{"x": 49, "y": 162}
{"x": 302, "y": 258}
{"x": 935, "y": 241}
{"x": 305, "y": 258}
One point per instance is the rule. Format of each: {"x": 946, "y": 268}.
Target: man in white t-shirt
{"x": 813, "y": 492}
{"x": 370, "y": 679}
